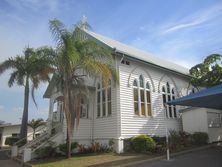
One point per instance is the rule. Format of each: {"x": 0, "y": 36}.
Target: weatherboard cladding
{"x": 101, "y": 128}
{"x": 131, "y": 124}
{"x": 138, "y": 54}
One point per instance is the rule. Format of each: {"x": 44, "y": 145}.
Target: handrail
{"x": 44, "y": 134}
{"x": 23, "y": 139}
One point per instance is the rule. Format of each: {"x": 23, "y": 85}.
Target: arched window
{"x": 168, "y": 94}
{"x": 141, "y": 81}
{"x": 136, "y": 97}
{"x": 135, "y": 83}
{"x": 142, "y": 100}
{"x": 148, "y": 99}
{"x": 174, "y": 107}
{"x": 142, "y": 96}
{"x": 169, "y": 99}
{"x": 83, "y": 107}
{"x": 104, "y": 106}
{"x": 164, "y": 98}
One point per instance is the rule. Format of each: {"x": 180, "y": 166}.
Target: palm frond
{"x": 12, "y": 78}
{"x": 35, "y": 85}
{"x": 7, "y": 64}
{"x": 58, "y": 30}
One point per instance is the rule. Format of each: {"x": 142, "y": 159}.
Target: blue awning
{"x": 208, "y": 98}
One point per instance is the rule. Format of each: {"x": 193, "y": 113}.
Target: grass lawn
{"x": 92, "y": 160}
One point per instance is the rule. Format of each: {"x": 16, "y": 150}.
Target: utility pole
{"x": 167, "y": 136}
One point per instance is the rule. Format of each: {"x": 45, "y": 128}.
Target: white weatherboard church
{"x": 131, "y": 107}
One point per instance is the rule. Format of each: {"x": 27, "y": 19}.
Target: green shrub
{"x": 143, "y": 143}
{"x": 11, "y": 140}
{"x": 111, "y": 145}
{"x": 186, "y": 138}
{"x": 128, "y": 145}
{"x": 63, "y": 147}
{"x": 46, "y": 152}
{"x": 160, "y": 144}
{"x": 200, "y": 138}
{"x": 159, "y": 140}
{"x": 174, "y": 140}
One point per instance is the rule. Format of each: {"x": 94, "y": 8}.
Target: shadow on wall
{"x": 157, "y": 124}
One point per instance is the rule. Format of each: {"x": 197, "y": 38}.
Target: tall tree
{"x": 73, "y": 54}
{"x": 31, "y": 68}
{"x": 208, "y": 73}
{"x": 35, "y": 124}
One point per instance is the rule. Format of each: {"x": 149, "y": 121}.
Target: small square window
{"x": 127, "y": 63}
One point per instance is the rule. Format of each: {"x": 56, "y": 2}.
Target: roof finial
{"x": 84, "y": 22}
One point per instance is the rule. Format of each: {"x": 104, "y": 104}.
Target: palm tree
{"x": 72, "y": 54}
{"x": 33, "y": 67}
{"x": 34, "y": 124}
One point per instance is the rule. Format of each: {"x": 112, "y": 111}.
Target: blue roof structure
{"x": 208, "y": 98}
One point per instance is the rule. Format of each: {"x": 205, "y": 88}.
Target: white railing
{"x": 45, "y": 135}
{"x": 26, "y": 139}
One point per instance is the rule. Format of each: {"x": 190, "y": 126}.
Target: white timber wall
{"x": 195, "y": 120}
{"x": 108, "y": 127}
{"x": 7, "y": 131}
{"x": 131, "y": 124}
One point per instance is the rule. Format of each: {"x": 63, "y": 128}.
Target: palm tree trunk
{"x": 68, "y": 142}
{"x": 33, "y": 134}
{"x": 67, "y": 114}
{"x": 24, "y": 126}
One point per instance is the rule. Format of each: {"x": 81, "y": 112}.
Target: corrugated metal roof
{"x": 138, "y": 54}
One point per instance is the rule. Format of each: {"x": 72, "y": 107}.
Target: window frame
{"x": 82, "y": 106}
{"x": 104, "y": 101}
{"x": 141, "y": 86}
{"x": 219, "y": 118}
{"x": 169, "y": 94}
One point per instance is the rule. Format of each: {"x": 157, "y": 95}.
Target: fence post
{"x": 27, "y": 155}
{"x": 14, "y": 151}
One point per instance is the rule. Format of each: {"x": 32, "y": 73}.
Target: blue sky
{"x": 180, "y": 31}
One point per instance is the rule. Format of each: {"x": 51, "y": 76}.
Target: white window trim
{"x": 101, "y": 99}
{"x": 171, "y": 97}
{"x": 145, "y": 97}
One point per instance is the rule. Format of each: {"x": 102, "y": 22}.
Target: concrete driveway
{"x": 211, "y": 157}
{"x": 5, "y": 161}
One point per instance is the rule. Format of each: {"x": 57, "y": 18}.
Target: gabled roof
{"x": 138, "y": 54}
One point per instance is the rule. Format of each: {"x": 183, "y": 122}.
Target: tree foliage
{"x": 33, "y": 67}
{"x": 208, "y": 73}
{"x": 35, "y": 124}
{"x": 76, "y": 59}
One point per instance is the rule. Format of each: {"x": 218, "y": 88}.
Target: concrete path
{"x": 5, "y": 161}
{"x": 9, "y": 163}
{"x": 211, "y": 157}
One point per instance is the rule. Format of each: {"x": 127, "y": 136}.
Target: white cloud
{"x": 35, "y": 5}
{"x": 195, "y": 19}
{"x": 17, "y": 109}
